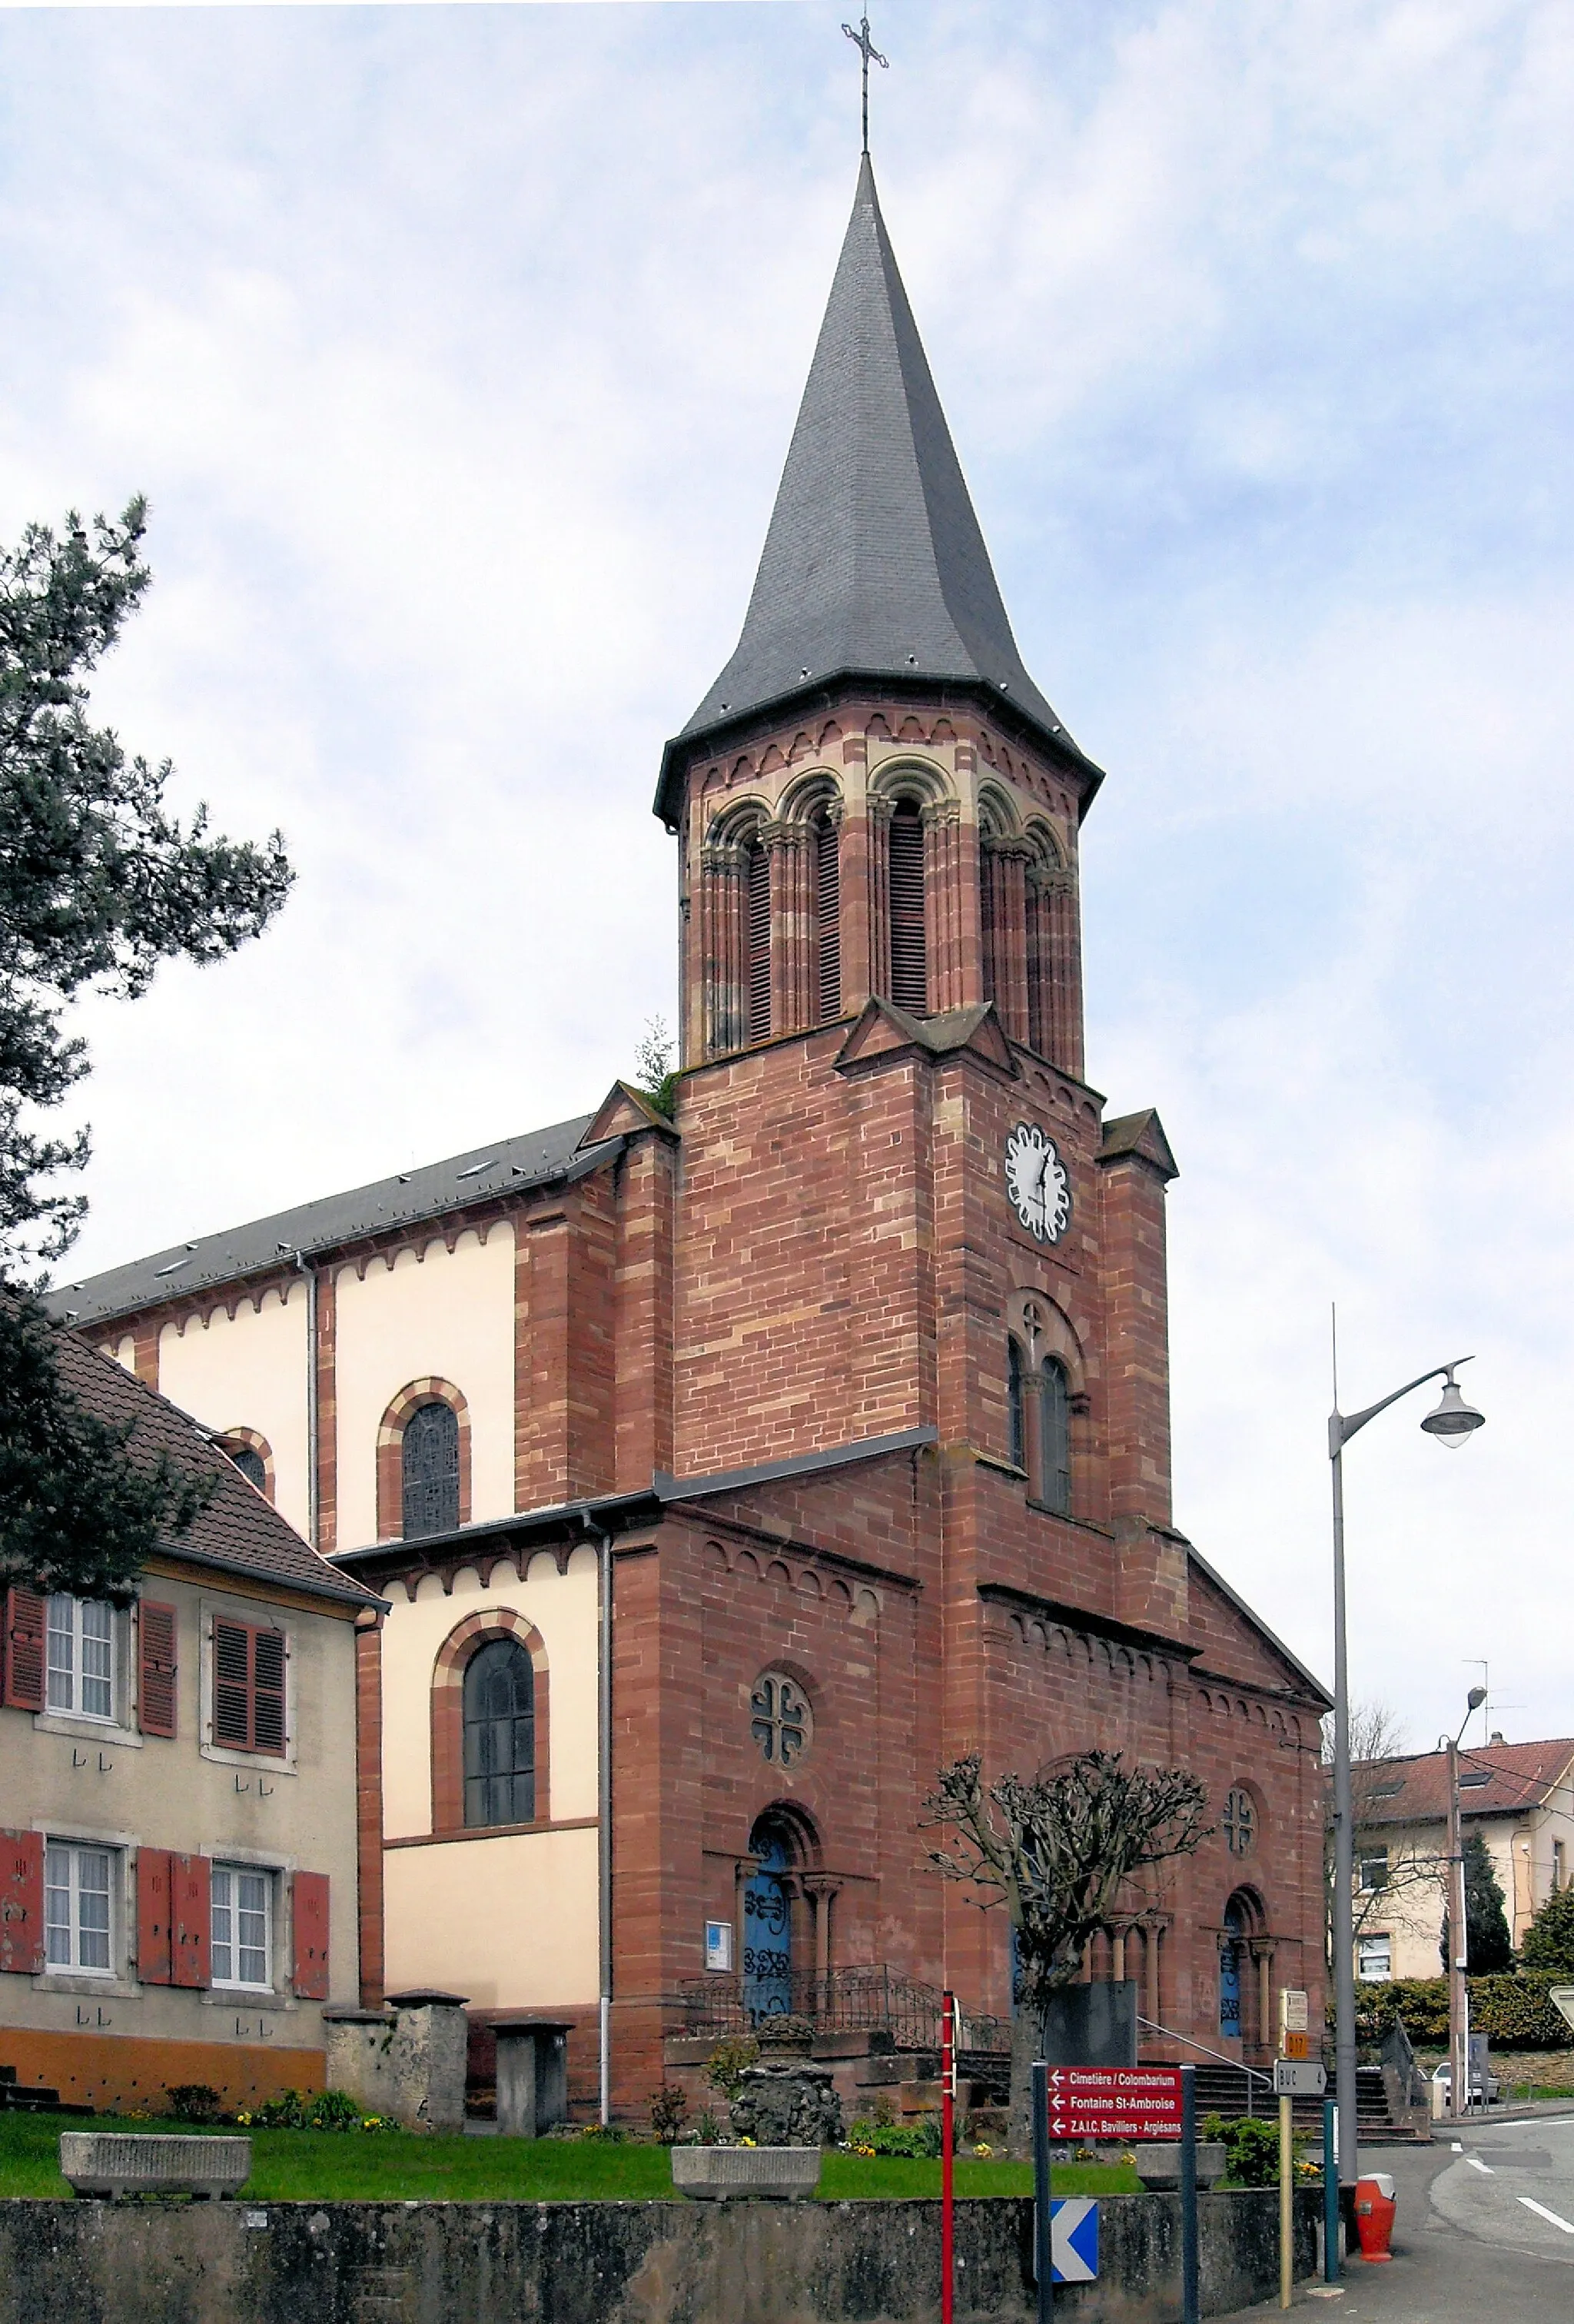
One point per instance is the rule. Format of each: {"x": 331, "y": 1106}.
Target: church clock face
{"x": 1037, "y": 1184}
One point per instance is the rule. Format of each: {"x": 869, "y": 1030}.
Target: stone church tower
{"x": 727, "y": 1474}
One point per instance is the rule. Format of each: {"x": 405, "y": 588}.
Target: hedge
{"x": 1512, "y": 2011}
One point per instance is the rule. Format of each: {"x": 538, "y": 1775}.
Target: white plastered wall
{"x": 449, "y": 1315}
{"x": 511, "y": 1922}
{"x": 249, "y": 1371}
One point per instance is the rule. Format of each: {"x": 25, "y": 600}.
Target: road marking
{"x": 1476, "y": 2164}
{"x": 1541, "y": 2212}
{"x": 1458, "y": 2148}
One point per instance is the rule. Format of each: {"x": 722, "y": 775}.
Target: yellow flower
{"x": 983, "y": 2151}
{"x": 746, "y": 2141}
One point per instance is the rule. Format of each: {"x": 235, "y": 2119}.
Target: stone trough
{"x": 714, "y": 2173}
{"x": 118, "y": 2164}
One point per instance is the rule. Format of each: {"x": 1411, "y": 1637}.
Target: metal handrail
{"x": 1252, "y": 2073}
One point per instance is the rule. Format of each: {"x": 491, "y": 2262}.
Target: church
{"x": 731, "y": 1457}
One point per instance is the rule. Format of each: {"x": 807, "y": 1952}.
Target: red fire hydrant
{"x": 1375, "y": 2210}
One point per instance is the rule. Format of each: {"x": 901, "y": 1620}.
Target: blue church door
{"x": 1230, "y": 1978}
{"x": 767, "y": 1936}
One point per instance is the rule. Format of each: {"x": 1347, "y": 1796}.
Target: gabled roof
{"x": 1494, "y": 1779}
{"x": 508, "y": 1166}
{"x": 238, "y": 1533}
{"x": 874, "y": 563}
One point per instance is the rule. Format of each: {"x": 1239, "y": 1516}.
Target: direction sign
{"x": 1122, "y": 2102}
{"x": 1295, "y": 2077}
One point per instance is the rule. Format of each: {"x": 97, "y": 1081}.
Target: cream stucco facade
{"x": 247, "y": 1371}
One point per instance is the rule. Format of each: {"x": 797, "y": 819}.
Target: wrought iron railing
{"x": 874, "y": 1999}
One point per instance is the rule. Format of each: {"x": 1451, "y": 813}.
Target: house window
{"x": 1557, "y": 1864}
{"x": 1056, "y": 1421}
{"x": 1016, "y": 1427}
{"x": 1239, "y": 1821}
{"x": 76, "y": 1908}
{"x": 1375, "y": 1959}
{"x": 81, "y": 1657}
{"x": 241, "y": 1940}
{"x": 500, "y": 1735}
{"x": 248, "y": 1687}
{"x": 1374, "y": 1869}
{"x": 429, "y": 1464}
{"x": 909, "y": 954}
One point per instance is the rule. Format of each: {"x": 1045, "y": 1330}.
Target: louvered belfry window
{"x": 248, "y": 1687}
{"x": 988, "y": 910}
{"x": 1057, "y": 1438}
{"x": 429, "y": 1466}
{"x": 1015, "y": 1425}
{"x": 828, "y": 917}
{"x": 500, "y": 1735}
{"x": 909, "y": 964}
{"x": 757, "y": 905}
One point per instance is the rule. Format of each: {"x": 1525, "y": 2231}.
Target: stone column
{"x": 1065, "y": 954}
{"x": 724, "y": 947}
{"x": 1011, "y": 938}
{"x": 878, "y": 834}
{"x": 792, "y": 923}
{"x": 942, "y": 900}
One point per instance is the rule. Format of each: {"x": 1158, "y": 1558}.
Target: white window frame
{"x": 232, "y": 1875}
{"x": 1365, "y": 1945}
{"x": 1372, "y": 1856}
{"x": 71, "y": 1888}
{"x": 72, "y": 1671}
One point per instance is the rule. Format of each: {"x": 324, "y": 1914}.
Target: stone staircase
{"x": 1228, "y": 2090}
{"x": 26, "y": 2098}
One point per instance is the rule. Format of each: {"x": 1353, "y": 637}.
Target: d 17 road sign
{"x": 1299, "y": 2078}
{"x": 1114, "y": 2101}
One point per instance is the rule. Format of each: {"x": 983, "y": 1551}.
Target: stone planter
{"x": 712, "y": 2173}
{"x": 134, "y": 2162}
{"x": 1158, "y": 2166}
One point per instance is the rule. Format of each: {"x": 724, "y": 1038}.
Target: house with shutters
{"x": 177, "y": 1798}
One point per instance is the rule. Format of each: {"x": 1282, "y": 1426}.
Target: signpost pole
{"x": 1191, "y": 2303}
{"x": 947, "y": 2145}
{"x": 1286, "y": 2203}
{"x": 1329, "y": 2197}
{"x": 1041, "y": 2192}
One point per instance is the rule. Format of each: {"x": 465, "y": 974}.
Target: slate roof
{"x": 238, "y": 1532}
{"x": 1415, "y": 1789}
{"x": 508, "y": 1166}
{"x": 874, "y": 563}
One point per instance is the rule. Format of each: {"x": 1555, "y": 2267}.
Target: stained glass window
{"x": 430, "y": 1456}
{"x": 500, "y": 1735}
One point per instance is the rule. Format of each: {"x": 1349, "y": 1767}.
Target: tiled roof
{"x": 874, "y": 563}
{"x": 1415, "y": 1789}
{"x": 238, "y": 1532}
{"x": 508, "y": 1166}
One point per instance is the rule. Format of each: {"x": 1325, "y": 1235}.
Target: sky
{"x": 457, "y": 349}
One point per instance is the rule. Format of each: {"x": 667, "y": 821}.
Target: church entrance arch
{"x": 782, "y": 1847}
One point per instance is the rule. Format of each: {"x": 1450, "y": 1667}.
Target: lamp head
{"x": 1477, "y": 1697}
{"x": 1453, "y": 1420}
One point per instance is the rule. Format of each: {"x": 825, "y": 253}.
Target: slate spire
{"x": 874, "y": 563}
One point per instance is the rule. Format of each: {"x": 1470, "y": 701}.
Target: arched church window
{"x": 1016, "y": 1430}
{"x": 828, "y": 916}
{"x": 500, "y": 1735}
{"x": 251, "y": 1463}
{"x": 909, "y": 961}
{"x": 1056, "y": 1422}
{"x": 430, "y": 1466}
{"x": 757, "y": 905}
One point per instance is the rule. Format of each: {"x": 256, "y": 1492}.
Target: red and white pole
{"x": 947, "y": 2145}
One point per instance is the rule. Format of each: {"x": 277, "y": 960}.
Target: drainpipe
{"x": 604, "y": 1820}
{"x": 313, "y": 1490}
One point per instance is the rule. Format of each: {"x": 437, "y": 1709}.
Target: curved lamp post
{"x": 1450, "y": 1421}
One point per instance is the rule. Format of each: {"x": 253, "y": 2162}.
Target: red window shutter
{"x": 156, "y": 1634}
{"x": 268, "y": 1689}
{"x": 309, "y": 1913}
{"x": 23, "y": 1650}
{"x": 190, "y": 1920}
{"x": 154, "y": 1917}
{"x": 21, "y": 1902}
{"x": 232, "y": 1684}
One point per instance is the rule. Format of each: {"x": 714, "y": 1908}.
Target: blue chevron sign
{"x": 1073, "y": 2239}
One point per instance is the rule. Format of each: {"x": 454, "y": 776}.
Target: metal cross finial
{"x": 869, "y": 54}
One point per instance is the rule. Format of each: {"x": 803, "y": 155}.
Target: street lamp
{"x": 1457, "y": 1923}
{"x": 1451, "y": 1423}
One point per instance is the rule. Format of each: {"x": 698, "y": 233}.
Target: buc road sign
{"x": 1073, "y": 2239}
{"x": 1297, "y": 2078}
{"x": 1114, "y": 2102}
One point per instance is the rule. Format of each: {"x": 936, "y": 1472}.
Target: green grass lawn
{"x": 323, "y": 2166}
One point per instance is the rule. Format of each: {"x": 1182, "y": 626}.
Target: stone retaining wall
{"x": 91, "y": 2262}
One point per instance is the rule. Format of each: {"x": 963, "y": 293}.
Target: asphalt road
{"x": 1485, "y": 2231}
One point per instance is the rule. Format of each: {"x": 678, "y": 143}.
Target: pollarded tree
{"x": 1548, "y": 1942}
{"x": 98, "y": 883}
{"x": 1057, "y": 1853}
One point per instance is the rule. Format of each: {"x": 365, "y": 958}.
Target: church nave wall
{"x": 247, "y": 1371}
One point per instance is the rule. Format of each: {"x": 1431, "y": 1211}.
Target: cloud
{"x": 458, "y": 350}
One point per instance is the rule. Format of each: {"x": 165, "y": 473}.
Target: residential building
{"x": 177, "y": 1789}
{"x": 1519, "y": 1797}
